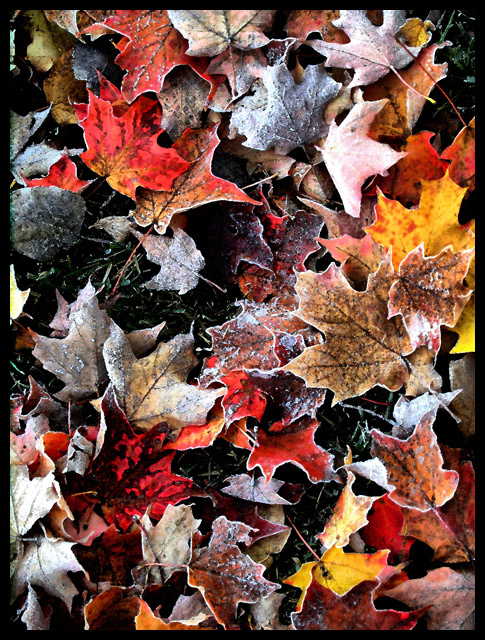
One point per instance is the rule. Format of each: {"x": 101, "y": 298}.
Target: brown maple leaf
{"x": 225, "y": 575}
{"x": 154, "y": 389}
{"x": 429, "y": 293}
{"x": 363, "y": 347}
{"x": 212, "y": 31}
{"x": 415, "y": 467}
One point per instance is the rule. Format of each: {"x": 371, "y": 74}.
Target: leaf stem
{"x": 303, "y": 539}
{"x": 128, "y": 261}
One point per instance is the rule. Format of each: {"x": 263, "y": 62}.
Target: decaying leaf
{"x": 45, "y": 220}
{"x": 225, "y": 575}
{"x": 178, "y": 258}
{"x": 212, "y": 31}
{"x": 154, "y": 388}
{"x": 283, "y": 114}
{"x": 362, "y": 347}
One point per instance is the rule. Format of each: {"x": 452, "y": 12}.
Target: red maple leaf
{"x": 132, "y": 471}
{"x": 125, "y": 151}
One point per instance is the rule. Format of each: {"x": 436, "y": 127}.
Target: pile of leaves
{"x": 256, "y": 412}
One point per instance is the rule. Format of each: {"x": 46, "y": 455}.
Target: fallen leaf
{"x": 111, "y": 610}
{"x": 226, "y": 576}
{"x": 415, "y": 467}
{"x": 338, "y": 571}
{"x": 461, "y": 156}
{"x": 383, "y": 529}
{"x": 146, "y": 620}
{"x": 430, "y": 293}
{"x": 154, "y": 48}
{"x": 255, "y": 489}
{"x": 17, "y": 297}
{"x": 448, "y": 529}
{"x": 283, "y": 114}
{"x": 295, "y": 444}
{"x": 77, "y": 359}
{"x": 212, "y": 31}
{"x": 434, "y": 221}
{"x": 451, "y": 593}
{"x": 351, "y": 156}
{"x": 178, "y": 258}
{"x": 372, "y": 50}
{"x": 195, "y": 187}
{"x": 125, "y": 151}
{"x": 302, "y": 22}
{"x": 349, "y": 515}
{"x": 154, "y": 389}
{"x": 399, "y": 116}
{"x": 46, "y": 563}
{"x": 324, "y": 610}
{"x": 62, "y": 174}
{"x": 363, "y": 348}
{"x": 168, "y": 544}
{"x": 45, "y": 220}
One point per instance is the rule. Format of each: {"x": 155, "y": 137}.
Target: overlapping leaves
{"x": 102, "y": 488}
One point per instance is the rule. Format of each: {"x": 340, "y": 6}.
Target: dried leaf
{"x": 282, "y": 114}
{"x": 415, "y": 467}
{"x": 212, "y": 31}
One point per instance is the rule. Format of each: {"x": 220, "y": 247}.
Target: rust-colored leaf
{"x": 415, "y": 467}
{"x": 225, "y": 575}
{"x": 430, "y": 293}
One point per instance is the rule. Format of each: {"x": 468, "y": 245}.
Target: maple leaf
{"x": 282, "y": 114}
{"x": 212, "y": 31}
{"x": 131, "y": 471}
{"x": 195, "y": 187}
{"x": 372, "y": 50}
{"x": 430, "y": 293}
{"x": 153, "y": 389}
{"x": 324, "y": 610}
{"x": 125, "y": 151}
{"x": 422, "y": 162}
{"x": 250, "y": 393}
{"x": 383, "y": 530}
{"x": 461, "y": 156}
{"x": 46, "y": 562}
{"x": 178, "y": 258}
{"x": 77, "y": 359}
{"x": 62, "y": 174}
{"x": 400, "y": 115}
{"x": 169, "y": 542}
{"x": 226, "y": 576}
{"x": 415, "y": 467}
{"x": 146, "y": 620}
{"x": 112, "y": 609}
{"x": 338, "y": 571}
{"x": 363, "y": 347}
{"x": 302, "y": 22}
{"x": 351, "y": 156}
{"x": 293, "y": 444}
{"x": 349, "y": 515}
{"x": 451, "y": 593}
{"x": 30, "y": 499}
{"x": 255, "y": 489}
{"x": 154, "y": 48}
{"x": 434, "y": 221}
{"x": 291, "y": 239}
{"x": 449, "y": 529}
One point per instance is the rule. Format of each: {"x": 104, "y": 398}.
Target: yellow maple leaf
{"x": 434, "y": 221}
{"x": 339, "y": 571}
